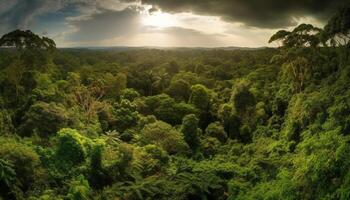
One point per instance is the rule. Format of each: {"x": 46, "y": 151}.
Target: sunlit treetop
{"x": 26, "y": 40}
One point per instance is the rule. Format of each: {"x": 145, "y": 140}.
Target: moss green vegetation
{"x": 265, "y": 124}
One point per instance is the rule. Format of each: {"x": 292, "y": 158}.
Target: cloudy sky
{"x": 186, "y": 23}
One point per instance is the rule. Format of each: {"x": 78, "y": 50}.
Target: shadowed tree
{"x": 21, "y": 167}
{"x": 26, "y": 40}
{"x": 31, "y": 52}
{"x": 217, "y": 131}
{"x": 161, "y": 81}
{"x": 179, "y": 90}
{"x": 44, "y": 119}
{"x": 191, "y": 131}
{"x": 15, "y": 75}
{"x": 7, "y": 179}
{"x": 242, "y": 98}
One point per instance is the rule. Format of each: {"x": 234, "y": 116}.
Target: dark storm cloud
{"x": 73, "y": 22}
{"x": 109, "y": 24}
{"x": 257, "y": 13}
{"x": 19, "y": 13}
{"x": 105, "y": 24}
{"x": 22, "y": 14}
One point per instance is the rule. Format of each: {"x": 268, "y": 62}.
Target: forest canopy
{"x": 177, "y": 124}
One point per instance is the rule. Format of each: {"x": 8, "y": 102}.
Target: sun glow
{"x": 159, "y": 19}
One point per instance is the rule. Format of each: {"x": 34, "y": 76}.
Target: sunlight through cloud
{"x": 159, "y": 19}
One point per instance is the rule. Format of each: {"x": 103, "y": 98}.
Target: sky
{"x": 165, "y": 23}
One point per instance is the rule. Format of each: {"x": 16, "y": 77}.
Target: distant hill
{"x": 126, "y": 48}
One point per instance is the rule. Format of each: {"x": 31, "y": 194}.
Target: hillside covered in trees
{"x": 270, "y": 123}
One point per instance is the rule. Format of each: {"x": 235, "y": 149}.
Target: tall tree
{"x": 191, "y": 131}
{"x": 303, "y": 35}
{"x": 26, "y": 40}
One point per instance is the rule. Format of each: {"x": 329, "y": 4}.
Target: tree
{"x": 280, "y": 36}
{"x": 198, "y": 185}
{"x": 179, "y": 90}
{"x": 88, "y": 99}
{"x": 244, "y": 110}
{"x": 150, "y": 78}
{"x": 161, "y": 81}
{"x": 71, "y": 148}
{"x": 210, "y": 146}
{"x": 200, "y": 97}
{"x": 112, "y": 85}
{"x": 164, "y": 135}
{"x": 191, "y": 131}
{"x": 79, "y": 189}
{"x": 243, "y": 100}
{"x": 6, "y": 124}
{"x": 129, "y": 94}
{"x": 296, "y": 67}
{"x": 26, "y": 40}
{"x": 217, "y": 131}
{"x": 7, "y": 178}
{"x": 44, "y": 119}
{"x": 321, "y": 165}
{"x": 171, "y": 112}
{"x": 15, "y": 75}
{"x": 189, "y": 77}
{"x": 230, "y": 120}
{"x": 24, "y": 161}
{"x": 299, "y": 71}
{"x": 141, "y": 188}
{"x": 47, "y": 90}
{"x": 126, "y": 116}
{"x": 97, "y": 175}
{"x": 302, "y": 36}
{"x": 150, "y": 159}
{"x": 172, "y": 67}
{"x": 33, "y": 50}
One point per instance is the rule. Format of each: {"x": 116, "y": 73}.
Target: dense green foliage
{"x": 178, "y": 124}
